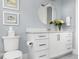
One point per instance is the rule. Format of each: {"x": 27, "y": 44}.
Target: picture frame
{"x": 10, "y": 18}
{"x": 11, "y": 4}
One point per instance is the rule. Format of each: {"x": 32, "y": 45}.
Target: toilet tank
{"x": 11, "y": 42}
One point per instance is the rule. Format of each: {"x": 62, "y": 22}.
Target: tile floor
{"x": 68, "y": 56}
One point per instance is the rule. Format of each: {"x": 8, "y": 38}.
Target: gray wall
{"x": 29, "y": 18}
{"x": 68, "y": 9}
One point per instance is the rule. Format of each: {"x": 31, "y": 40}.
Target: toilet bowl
{"x": 11, "y": 44}
{"x": 16, "y": 54}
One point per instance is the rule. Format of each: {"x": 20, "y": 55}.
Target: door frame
{"x": 75, "y": 50}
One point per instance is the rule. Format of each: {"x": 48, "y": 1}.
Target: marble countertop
{"x": 43, "y": 30}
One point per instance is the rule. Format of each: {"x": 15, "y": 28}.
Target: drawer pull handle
{"x": 42, "y": 44}
{"x": 69, "y": 48}
{"x": 69, "y": 40}
{"x": 42, "y": 36}
{"x": 58, "y": 37}
{"x": 42, "y": 56}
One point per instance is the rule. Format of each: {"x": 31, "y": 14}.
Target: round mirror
{"x": 47, "y": 13}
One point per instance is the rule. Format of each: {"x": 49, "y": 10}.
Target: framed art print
{"x": 11, "y": 4}
{"x": 10, "y": 18}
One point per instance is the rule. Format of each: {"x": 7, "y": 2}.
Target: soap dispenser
{"x": 68, "y": 21}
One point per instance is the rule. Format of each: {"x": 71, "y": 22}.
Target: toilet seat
{"x": 13, "y": 55}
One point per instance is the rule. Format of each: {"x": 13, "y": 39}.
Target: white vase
{"x": 57, "y": 29}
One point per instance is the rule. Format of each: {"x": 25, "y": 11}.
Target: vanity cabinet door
{"x": 54, "y": 45}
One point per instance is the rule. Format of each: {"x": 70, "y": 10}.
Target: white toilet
{"x": 11, "y": 44}
{"x": 11, "y": 47}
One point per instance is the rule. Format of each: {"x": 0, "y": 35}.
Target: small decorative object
{"x": 58, "y": 23}
{"x": 11, "y": 4}
{"x": 10, "y": 18}
{"x": 11, "y": 32}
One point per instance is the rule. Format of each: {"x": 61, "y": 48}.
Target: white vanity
{"x": 50, "y": 44}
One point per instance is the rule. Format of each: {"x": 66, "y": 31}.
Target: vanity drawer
{"x": 69, "y": 37}
{"x": 42, "y": 54}
{"x": 40, "y": 44}
{"x": 66, "y": 34}
{"x": 69, "y": 46}
{"x": 68, "y": 41}
{"x": 41, "y": 36}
